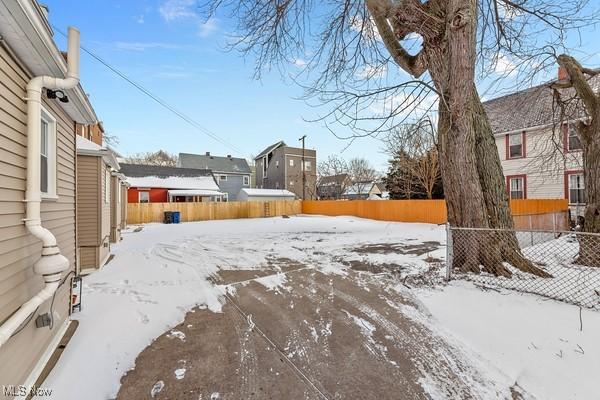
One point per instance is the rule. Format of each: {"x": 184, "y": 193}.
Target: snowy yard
{"x": 313, "y": 307}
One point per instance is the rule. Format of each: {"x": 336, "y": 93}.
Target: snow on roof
{"x": 359, "y": 188}
{"x": 174, "y": 182}
{"x": 195, "y": 192}
{"x": 85, "y": 144}
{"x": 268, "y": 192}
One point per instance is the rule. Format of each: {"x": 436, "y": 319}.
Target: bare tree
{"x": 413, "y": 147}
{"x": 353, "y": 43}
{"x": 580, "y": 106}
{"x": 362, "y": 174}
{"x": 332, "y": 177}
{"x": 159, "y": 157}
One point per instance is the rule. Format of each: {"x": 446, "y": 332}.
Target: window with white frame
{"x": 223, "y": 178}
{"x": 246, "y": 180}
{"x": 307, "y": 165}
{"x": 576, "y": 189}
{"x": 515, "y": 145}
{"x": 144, "y": 197}
{"x": 517, "y": 188}
{"x": 573, "y": 141}
{"x": 291, "y": 162}
{"x": 277, "y": 163}
{"x": 107, "y": 186}
{"x": 47, "y": 155}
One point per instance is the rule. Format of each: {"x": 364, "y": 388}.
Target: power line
{"x": 157, "y": 99}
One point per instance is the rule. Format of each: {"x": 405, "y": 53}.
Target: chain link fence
{"x": 571, "y": 259}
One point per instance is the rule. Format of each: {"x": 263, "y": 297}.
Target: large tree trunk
{"x": 589, "y": 247}
{"x": 588, "y": 131}
{"x": 472, "y": 175}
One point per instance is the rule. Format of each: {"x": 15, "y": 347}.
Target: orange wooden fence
{"x": 428, "y": 211}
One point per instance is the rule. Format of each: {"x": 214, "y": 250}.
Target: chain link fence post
{"x": 449, "y": 251}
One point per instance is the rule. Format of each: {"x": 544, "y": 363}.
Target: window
{"x": 307, "y": 165}
{"x": 291, "y": 162}
{"x": 515, "y": 145}
{"x": 264, "y": 167}
{"x": 246, "y": 180}
{"x": 119, "y": 193}
{"x": 223, "y": 178}
{"x": 144, "y": 197}
{"x": 576, "y": 188}
{"x": 47, "y": 155}
{"x": 107, "y": 186}
{"x": 277, "y": 163}
{"x": 516, "y": 187}
{"x": 573, "y": 143}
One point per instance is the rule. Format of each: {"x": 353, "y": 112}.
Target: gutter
{"x": 52, "y": 263}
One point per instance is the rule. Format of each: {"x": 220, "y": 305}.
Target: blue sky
{"x": 164, "y": 46}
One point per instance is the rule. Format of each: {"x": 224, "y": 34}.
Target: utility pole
{"x": 303, "y": 169}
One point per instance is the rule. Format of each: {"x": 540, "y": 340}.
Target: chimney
{"x": 208, "y": 153}
{"x": 562, "y": 73}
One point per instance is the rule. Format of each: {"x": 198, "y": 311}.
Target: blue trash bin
{"x": 176, "y": 217}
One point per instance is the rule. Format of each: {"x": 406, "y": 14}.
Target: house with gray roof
{"x": 232, "y": 173}
{"x": 541, "y": 155}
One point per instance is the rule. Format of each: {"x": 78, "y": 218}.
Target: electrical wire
{"x": 25, "y": 323}
{"x": 157, "y": 99}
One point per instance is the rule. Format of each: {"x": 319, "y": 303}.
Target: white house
{"x": 541, "y": 157}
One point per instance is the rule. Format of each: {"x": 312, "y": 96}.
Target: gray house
{"x": 232, "y": 174}
{"x": 280, "y": 167}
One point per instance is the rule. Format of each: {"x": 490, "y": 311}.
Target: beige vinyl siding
{"x": 543, "y": 164}
{"x": 123, "y": 207}
{"x": 115, "y": 215}
{"x": 18, "y": 249}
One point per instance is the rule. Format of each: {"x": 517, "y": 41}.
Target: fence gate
{"x": 572, "y": 259}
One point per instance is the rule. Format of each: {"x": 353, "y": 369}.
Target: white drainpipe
{"x": 52, "y": 264}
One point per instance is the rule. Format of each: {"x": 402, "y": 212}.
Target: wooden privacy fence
{"x": 550, "y": 214}
{"x": 538, "y": 211}
{"x": 141, "y": 213}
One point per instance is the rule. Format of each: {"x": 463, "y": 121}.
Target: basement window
{"x": 47, "y": 155}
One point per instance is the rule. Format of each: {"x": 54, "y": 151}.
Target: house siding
{"x": 233, "y": 184}
{"x": 544, "y": 171}
{"x": 115, "y": 214}
{"x": 18, "y": 249}
{"x": 282, "y": 175}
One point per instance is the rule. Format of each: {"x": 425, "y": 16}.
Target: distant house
{"x": 539, "y": 158}
{"x": 158, "y": 184}
{"x": 232, "y": 174}
{"x": 363, "y": 190}
{"x": 99, "y": 188}
{"x": 265, "y": 195}
{"x": 332, "y": 187}
{"x": 280, "y": 167}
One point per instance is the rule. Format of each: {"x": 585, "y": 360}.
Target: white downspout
{"x": 52, "y": 264}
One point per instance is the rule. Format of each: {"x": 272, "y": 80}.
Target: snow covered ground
{"x": 164, "y": 271}
{"x": 535, "y": 342}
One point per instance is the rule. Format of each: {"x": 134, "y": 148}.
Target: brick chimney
{"x": 562, "y": 73}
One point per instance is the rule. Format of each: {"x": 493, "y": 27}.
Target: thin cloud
{"x": 172, "y": 10}
{"x": 143, "y": 46}
{"x": 208, "y": 27}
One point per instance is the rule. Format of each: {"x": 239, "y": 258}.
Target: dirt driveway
{"x": 297, "y": 333}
